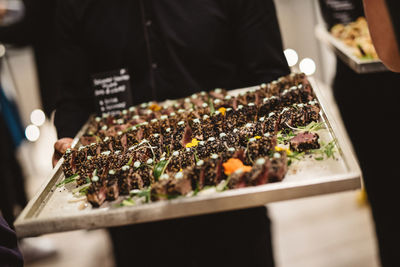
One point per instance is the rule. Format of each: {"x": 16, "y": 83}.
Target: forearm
{"x": 382, "y": 33}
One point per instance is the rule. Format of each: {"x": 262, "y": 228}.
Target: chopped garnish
{"x": 193, "y": 143}
{"x": 68, "y": 180}
{"x": 155, "y": 107}
{"x": 160, "y": 168}
{"x": 233, "y": 165}
{"x": 127, "y": 202}
{"x": 287, "y": 150}
{"x": 222, "y": 110}
{"x": 212, "y": 108}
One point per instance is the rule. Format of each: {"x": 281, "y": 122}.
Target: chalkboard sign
{"x": 340, "y": 11}
{"x": 112, "y": 91}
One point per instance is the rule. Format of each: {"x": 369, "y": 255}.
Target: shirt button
{"x": 154, "y": 65}
{"x": 148, "y": 23}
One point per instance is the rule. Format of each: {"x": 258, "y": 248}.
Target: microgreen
{"x": 159, "y": 168}
{"x": 311, "y": 127}
{"x": 68, "y": 180}
{"x": 211, "y": 104}
{"x": 143, "y": 193}
{"x": 284, "y": 137}
{"x": 325, "y": 151}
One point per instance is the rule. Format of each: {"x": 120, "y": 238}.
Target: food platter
{"x": 53, "y": 209}
{"x": 345, "y": 53}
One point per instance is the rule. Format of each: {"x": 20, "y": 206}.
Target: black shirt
{"x": 171, "y": 49}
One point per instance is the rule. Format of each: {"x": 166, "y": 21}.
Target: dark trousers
{"x": 234, "y": 238}
{"x": 370, "y": 107}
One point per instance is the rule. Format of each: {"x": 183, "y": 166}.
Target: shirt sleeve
{"x": 75, "y": 100}
{"x": 258, "y": 41}
{"x": 394, "y": 9}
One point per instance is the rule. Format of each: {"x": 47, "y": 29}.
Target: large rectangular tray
{"x": 50, "y": 210}
{"x": 346, "y": 54}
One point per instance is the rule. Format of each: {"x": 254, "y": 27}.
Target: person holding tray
{"x": 368, "y": 103}
{"x": 165, "y": 50}
{"x": 384, "y": 25}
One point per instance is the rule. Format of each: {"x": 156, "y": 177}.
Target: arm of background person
{"x": 75, "y": 100}
{"x": 383, "y": 33}
{"x": 258, "y": 40}
{"x": 19, "y": 33}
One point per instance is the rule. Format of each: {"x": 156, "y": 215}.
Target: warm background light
{"x": 307, "y": 65}
{"x": 32, "y": 133}
{"x": 291, "y": 57}
{"x": 38, "y": 117}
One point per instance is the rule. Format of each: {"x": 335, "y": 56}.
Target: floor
{"x": 331, "y": 230}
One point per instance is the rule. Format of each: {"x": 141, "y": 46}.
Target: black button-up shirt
{"x": 171, "y": 49}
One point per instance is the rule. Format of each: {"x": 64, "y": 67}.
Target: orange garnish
{"x": 233, "y": 165}
{"x": 154, "y": 107}
{"x": 222, "y": 110}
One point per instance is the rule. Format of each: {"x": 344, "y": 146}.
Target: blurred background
{"x": 330, "y": 230}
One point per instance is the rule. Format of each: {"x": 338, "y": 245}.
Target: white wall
{"x": 298, "y": 19}
{"x": 18, "y": 77}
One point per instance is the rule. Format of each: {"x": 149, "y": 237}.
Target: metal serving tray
{"x": 345, "y": 53}
{"x": 51, "y": 210}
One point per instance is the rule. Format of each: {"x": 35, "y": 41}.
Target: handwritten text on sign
{"x": 112, "y": 91}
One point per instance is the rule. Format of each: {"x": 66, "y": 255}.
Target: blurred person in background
{"x": 12, "y": 189}
{"x": 368, "y": 104}
{"x": 35, "y": 28}
{"x": 172, "y": 49}
{"x": 384, "y": 24}
{"x": 21, "y": 24}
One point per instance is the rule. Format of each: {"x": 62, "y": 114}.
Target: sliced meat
{"x": 304, "y": 141}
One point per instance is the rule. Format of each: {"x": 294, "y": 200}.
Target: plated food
{"x": 356, "y": 35}
{"x": 210, "y": 141}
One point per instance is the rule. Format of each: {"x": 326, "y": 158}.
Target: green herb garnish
{"x": 196, "y": 158}
{"x": 211, "y": 104}
{"x": 142, "y": 193}
{"x": 311, "y": 127}
{"x": 295, "y": 155}
{"x": 82, "y": 190}
{"x": 284, "y": 138}
{"x": 68, "y": 180}
{"x": 130, "y": 161}
{"x": 326, "y": 150}
{"x": 223, "y": 185}
{"x": 127, "y": 202}
{"x": 159, "y": 168}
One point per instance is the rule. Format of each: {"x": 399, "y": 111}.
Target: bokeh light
{"x": 38, "y": 117}
{"x": 307, "y": 65}
{"x": 32, "y": 133}
{"x": 291, "y": 57}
